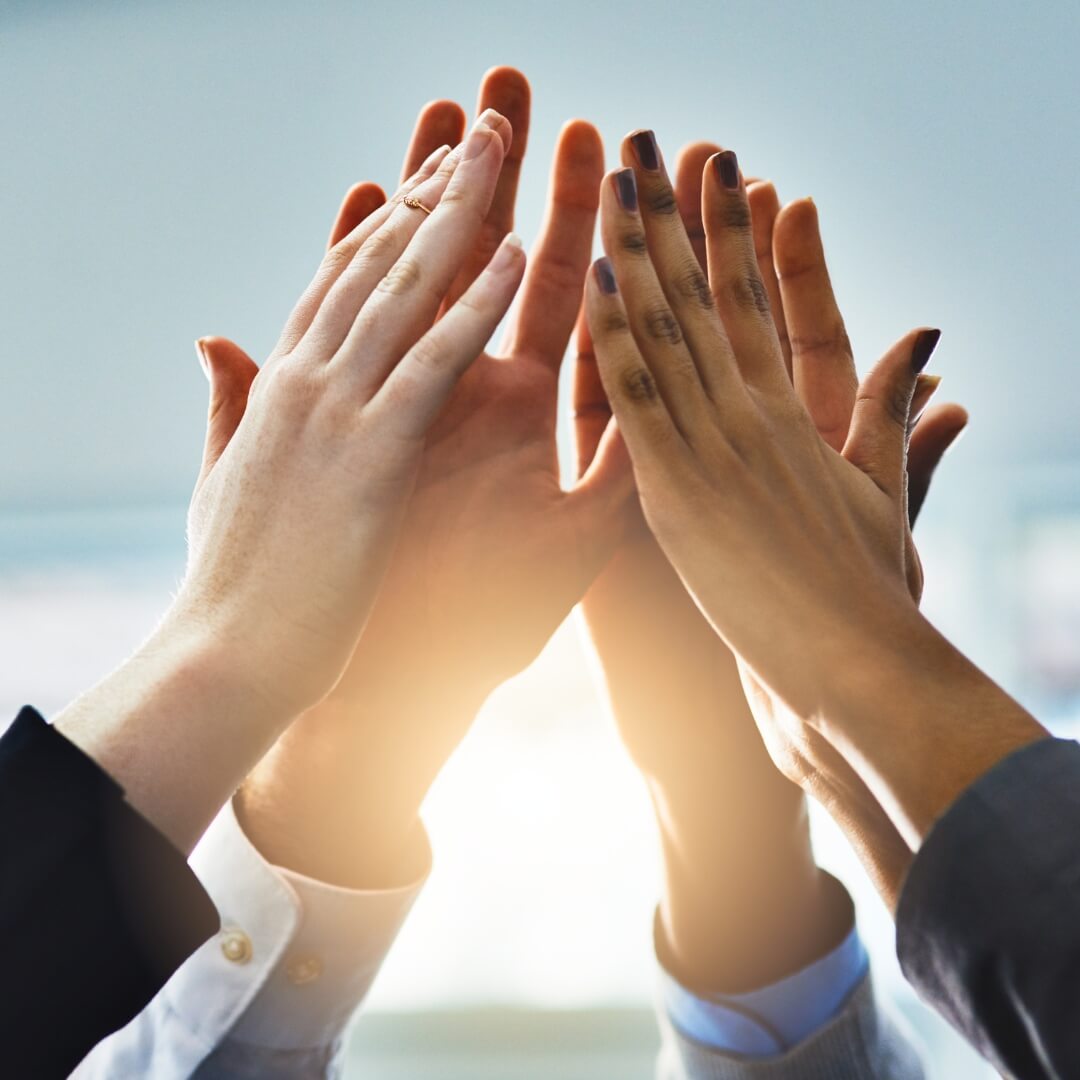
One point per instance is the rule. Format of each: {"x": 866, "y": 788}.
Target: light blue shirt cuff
{"x": 771, "y": 1020}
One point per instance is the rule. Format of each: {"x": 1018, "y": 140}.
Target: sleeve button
{"x": 236, "y": 946}
{"x": 303, "y": 970}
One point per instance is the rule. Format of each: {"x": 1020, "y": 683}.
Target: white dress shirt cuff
{"x": 295, "y": 956}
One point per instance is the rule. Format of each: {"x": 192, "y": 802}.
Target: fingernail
{"x": 727, "y": 168}
{"x": 605, "y": 276}
{"x": 648, "y": 153}
{"x": 477, "y": 142}
{"x": 626, "y": 189}
{"x": 509, "y": 252}
{"x": 498, "y": 123}
{"x": 200, "y": 351}
{"x": 925, "y": 344}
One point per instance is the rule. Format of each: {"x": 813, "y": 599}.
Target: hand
{"x": 492, "y": 556}
{"x": 291, "y": 526}
{"x": 794, "y": 551}
{"x": 707, "y": 768}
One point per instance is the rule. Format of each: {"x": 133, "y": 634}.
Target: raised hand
{"x": 658, "y": 651}
{"x": 688, "y": 366}
{"x": 294, "y": 519}
{"x": 492, "y": 556}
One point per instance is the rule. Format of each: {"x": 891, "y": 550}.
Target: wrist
{"x": 175, "y": 727}
{"x": 338, "y": 796}
{"x": 918, "y": 722}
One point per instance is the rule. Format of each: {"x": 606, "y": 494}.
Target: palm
{"x": 493, "y": 553}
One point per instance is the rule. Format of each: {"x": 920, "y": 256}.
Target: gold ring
{"x": 414, "y": 203}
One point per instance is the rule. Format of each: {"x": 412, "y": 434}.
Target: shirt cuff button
{"x": 236, "y": 946}
{"x": 303, "y": 970}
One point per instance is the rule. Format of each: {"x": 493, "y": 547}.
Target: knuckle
{"x": 637, "y": 385}
{"x": 403, "y": 277}
{"x": 558, "y": 274}
{"x": 338, "y": 258}
{"x": 662, "y": 325}
{"x": 461, "y": 200}
{"x": 661, "y": 200}
{"x": 833, "y": 340}
{"x": 427, "y": 355}
{"x": 747, "y": 293}
{"x": 381, "y": 243}
{"x": 633, "y": 242}
{"x": 612, "y": 324}
{"x": 892, "y": 403}
{"x": 693, "y": 285}
{"x": 733, "y": 214}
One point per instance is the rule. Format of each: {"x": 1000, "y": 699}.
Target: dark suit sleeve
{"x": 97, "y": 908}
{"x": 988, "y": 924}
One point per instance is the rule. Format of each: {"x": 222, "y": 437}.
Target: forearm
{"x": 743, "y": 901}
{"x": 175, "y": 727}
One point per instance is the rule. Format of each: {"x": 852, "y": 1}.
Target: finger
{"x": 652, "y": 321}
{"x": 341, "y": 254}
{"x": 741, "y": 297}
{"x": 648, "y": 428}
{"x": 418, "y": 387}
{"x": 551, "y": 296}
{"x": 689, "y": 167}
{"x": 231, "y": 372}
{"x": 934, "y": 434}
{"x": 600, "y": 497}
{"x": 645, "y": 185}
{"x": 506, "y": 91}
{"x": 592, "y": 412}
{"x": 409, "y": 294}
{"x": 764, "y": 208}
{"x": 360, "y": 202}
{"x": 440, "y": 123}
{"x": 925, "y": 388}
{"x": 371, "y": 262}
{"x": 877, "y": 443}
{"x": 823, "y": 367}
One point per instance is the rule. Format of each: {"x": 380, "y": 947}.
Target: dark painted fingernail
{"x": 605, "y": 276}
{"x": 727, "y": 168}
{"x": 648, "y": 153}
{"x": 925, "y": 344}
{"x": 626, "y": 189}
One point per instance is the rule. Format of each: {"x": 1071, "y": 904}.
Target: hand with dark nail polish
{"x": 648, "y": 153}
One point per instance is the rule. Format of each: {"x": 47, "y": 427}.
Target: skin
{"x": 293, "y": 522}
{"x": 742, "y": 904}
{"x": 798, "y": 553}
{"x": 491, "y": 557}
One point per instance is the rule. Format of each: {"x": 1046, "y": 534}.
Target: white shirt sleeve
{"x": 272, "y": 994}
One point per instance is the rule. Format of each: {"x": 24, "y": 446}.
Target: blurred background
{"x": 172, "y": 169}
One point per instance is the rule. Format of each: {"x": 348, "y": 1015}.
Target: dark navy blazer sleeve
{"x": 97, "y": 908}
{"x": 988, "y": 924}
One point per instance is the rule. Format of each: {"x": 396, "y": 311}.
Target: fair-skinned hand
{"x": 789, "y": 547}
{"x": 292, "y": 523}
{"x": 492, "y": 555}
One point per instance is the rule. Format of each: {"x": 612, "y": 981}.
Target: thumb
{"x": 877, "y": 439}
{"x": 939, "y": 428}
{"x": 231, "y": 372}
